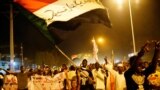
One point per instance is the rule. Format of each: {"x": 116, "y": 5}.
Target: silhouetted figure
{"x": 136, "y": 76}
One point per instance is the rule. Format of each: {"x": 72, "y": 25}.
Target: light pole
{"x": 120, "y": 2}
{"x": 11, "y": 38}
{"x": 132, "y": 28}
{"x": 22, "y": 54}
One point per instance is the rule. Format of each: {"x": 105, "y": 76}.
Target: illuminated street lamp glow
{"x": 137, "y": 1}
{"x": 120, "y": 3}
{"x": 100, "y": 40}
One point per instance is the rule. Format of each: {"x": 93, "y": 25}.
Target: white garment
{"x": 120, "y": 81}
{"x": 58, "y": 81}
{"x": 99, "y": 78}
{"x": 111, "y": 74}
{"x": 10, "y": 82}
{"x": 84, "y": 74}
{"x": 71, "y": 74}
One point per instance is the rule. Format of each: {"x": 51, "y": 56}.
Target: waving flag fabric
{"x": 95, "y": 50}
{"x": 49, "y": 15}
{"x": 59, "y": 10}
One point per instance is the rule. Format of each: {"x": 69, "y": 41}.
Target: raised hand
{"x": 147, "y": 46}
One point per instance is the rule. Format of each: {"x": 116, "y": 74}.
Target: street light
{"x": 131, "y": 21}
{"x": 132, "y": 28}
{"x": 119, "y": 2}
{"x": 100, "y": 40}
{"x": 137, "y": 1}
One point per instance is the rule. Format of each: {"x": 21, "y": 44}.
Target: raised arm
{"x": 135, "y": 59}
{"x": 152, "y": 66}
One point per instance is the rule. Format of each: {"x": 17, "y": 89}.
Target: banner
{"x": 41, "y": 83}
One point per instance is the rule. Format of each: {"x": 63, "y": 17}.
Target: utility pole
{"x": 132, "y": 27}
{"x": 22, "y": 55}
{"x": 11, "y": 38}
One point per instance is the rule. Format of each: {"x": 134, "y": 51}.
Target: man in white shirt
{"x": 120, "y": 79}
{"x": 99, "y": 75}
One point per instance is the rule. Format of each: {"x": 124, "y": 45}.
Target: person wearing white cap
{"x": 120, "y": 79}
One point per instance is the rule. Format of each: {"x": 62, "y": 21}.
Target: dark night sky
{"x": 146, "y": 20}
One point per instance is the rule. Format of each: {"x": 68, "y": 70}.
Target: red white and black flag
{"x": 65, "y": 14}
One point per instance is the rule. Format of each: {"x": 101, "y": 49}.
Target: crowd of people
{"x": 134, "y": 75}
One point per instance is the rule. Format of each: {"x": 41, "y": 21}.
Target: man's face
{"x": 139, "y": 67}
{"x": 84, "y": 63}
{"x": 74, "y": 84}
{"x": 120, "y": 68}
{"x": 96, "y": 65}
{"x": 22, "y": 69}
{"x": 64, "y": 67}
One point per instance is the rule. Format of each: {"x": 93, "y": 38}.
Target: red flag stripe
{"x": 33, "y": 5}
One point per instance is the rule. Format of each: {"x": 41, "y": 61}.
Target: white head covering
{"x": 120, "y": 65}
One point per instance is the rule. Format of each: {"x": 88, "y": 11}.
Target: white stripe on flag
{"x": 64, "y": 10}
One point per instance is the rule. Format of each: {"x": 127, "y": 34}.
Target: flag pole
{"x": 70, "y": 60}
{"x": 11, "y": 38}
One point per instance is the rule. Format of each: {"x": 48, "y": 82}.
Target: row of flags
{"x": 62, "y": 15}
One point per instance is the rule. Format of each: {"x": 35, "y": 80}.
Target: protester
{"x": 99, "y": 77}
{"x": 87, "y": 80}
{"x": 22, "y": 78}
{"x": 110, "y": 73}
{"x": 10, "y": 81}
{"x": 61, "y": 81}
{"x": 136, "y": 77}
{"x": 120, "y": 82}
{"x": 75, "y": 83}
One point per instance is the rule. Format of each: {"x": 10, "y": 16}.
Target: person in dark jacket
{"x": 136, "y": 76}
